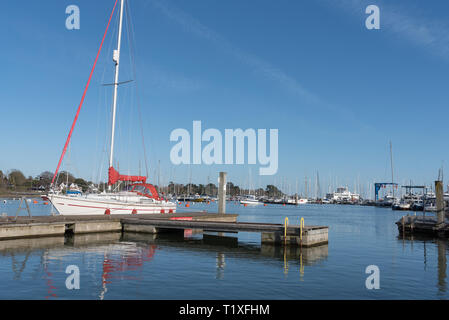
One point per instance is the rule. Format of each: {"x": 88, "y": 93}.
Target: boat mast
{"x": 392, "y": 172}
{"x": 116, "y": 59}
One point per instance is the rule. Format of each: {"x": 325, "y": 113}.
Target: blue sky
{"x": 337, "y": 92}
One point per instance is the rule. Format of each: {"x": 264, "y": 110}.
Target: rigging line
{"x": 106, "y": 137}
{"x": 131, "y": 96}
{"x": 121, "y": 129}
{"x": 130, "y": 30}
{"x": 84, "y": 94}
{"x": 131, "y": 117}
{"x": 101, "y": 99}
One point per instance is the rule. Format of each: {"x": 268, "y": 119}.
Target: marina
{"x": 131, "y": 262}
{"x": 130, "y": 137}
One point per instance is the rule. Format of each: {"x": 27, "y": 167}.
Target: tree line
{"x": 15, "y": 180}
{"x": 212, "y": 190}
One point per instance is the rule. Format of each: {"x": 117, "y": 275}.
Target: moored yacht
{"x": 139, "y": 197}
{"x": 250, "y": 199}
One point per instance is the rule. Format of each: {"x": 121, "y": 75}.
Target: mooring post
{"x": 439, "y": 201}
{"x": 222, "y": 193}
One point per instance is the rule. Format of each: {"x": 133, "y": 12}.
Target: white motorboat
{"x": 250, "y": 199}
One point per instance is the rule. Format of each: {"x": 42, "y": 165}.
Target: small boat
{"x": 401, "y": 205}
{"x": 387, "y": 201}
{"x": 417, "y": 205}
{"x": 430, "y": 207}
{"x": 250, "y": 199}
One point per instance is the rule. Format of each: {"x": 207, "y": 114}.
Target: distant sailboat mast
{"x": 392, "y": 171}
{"x": 116, "y": 59}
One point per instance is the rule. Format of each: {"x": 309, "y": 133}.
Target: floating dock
{"x": 435, "y": 225}
{"x": 44, "y": 226}
{"x": 426, "y": 225}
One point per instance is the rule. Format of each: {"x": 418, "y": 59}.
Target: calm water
{"x": 189, "y": 267}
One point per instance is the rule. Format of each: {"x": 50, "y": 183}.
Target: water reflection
{"x": 118, "y": 258}
{"x": 441, "y": 245}
{"x": 121, "y": 260}
{"x": 442, "y": 265}
{"x": 18, "y": 267}
{"x": 110, "y": 257}
{"x": 292, "y": 258}
{"x": 221, "y": 264}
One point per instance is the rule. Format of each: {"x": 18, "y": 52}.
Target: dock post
{"x": 439, "y": 201}
{"x": 222, "y": 193}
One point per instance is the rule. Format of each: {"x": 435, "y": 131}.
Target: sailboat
{"x": 389, "y": 200}
{"x": 139, "y": 197}
{"x": 249, "y": 198}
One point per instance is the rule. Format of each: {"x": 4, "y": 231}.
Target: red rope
{"x": 82, "y": 99}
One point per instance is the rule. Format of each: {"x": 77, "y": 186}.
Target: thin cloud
{"x": 271, "y": 72}
{"x": 257, "y": 64}
{"x": 159, "y": 78}
{"x": 400, "y": 21}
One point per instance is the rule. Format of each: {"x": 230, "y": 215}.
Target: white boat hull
{"x": 83, "y": 205}
{"x": 250, "y": 202}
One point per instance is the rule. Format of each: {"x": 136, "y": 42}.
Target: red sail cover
{"x": 114, "y": 176}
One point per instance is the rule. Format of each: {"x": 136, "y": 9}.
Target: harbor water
{"x": 186, "y": 266}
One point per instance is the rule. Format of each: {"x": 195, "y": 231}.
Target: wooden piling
{"x": 439, "y": 201}
{"x": 222, "y": 193}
